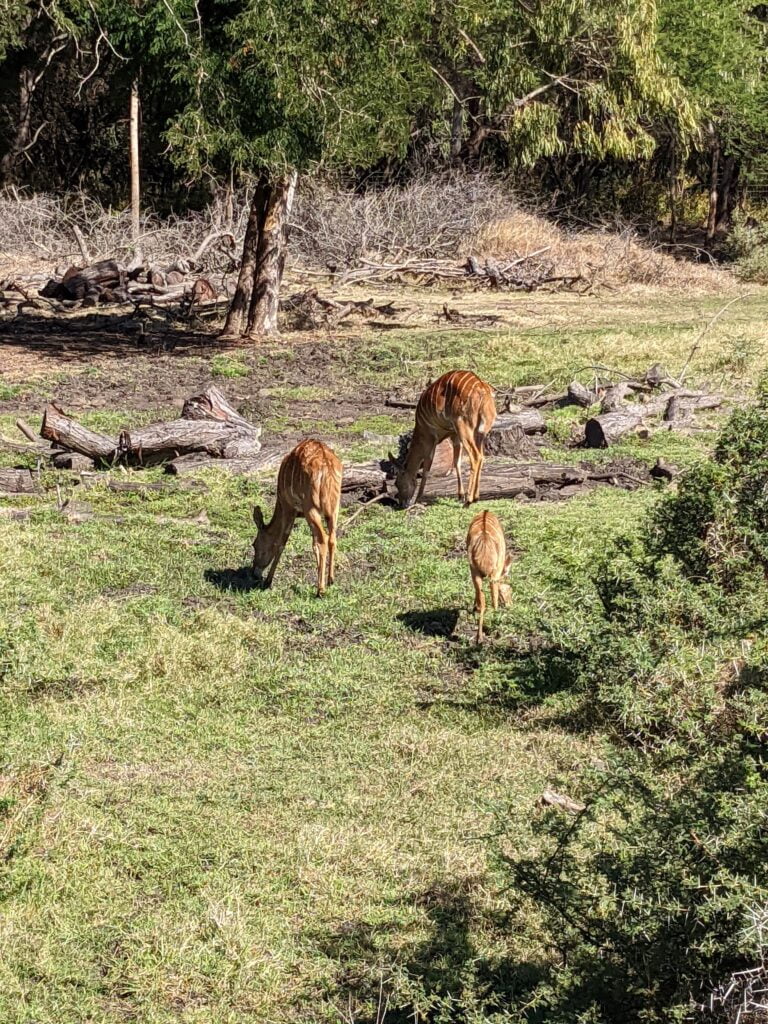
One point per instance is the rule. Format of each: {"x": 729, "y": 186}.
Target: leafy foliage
{"x": 276, "y": 85}
{"x": 747, "y": 246}
{"x": 651, "y": 894}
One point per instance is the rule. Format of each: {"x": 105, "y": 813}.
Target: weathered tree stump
{"x": 17, "y": 481}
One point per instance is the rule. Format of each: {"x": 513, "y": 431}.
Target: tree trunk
{"x": 727, "y": 194}
{"x": 457, "y": 128}
{"x": 270, "y": 258}
{"x": 714, "y": 169}
{"x": 241, "y": 300}
{"x": 159, "y": 442}
{"x": 135, "y": 178}
{"x": 673, "y": 190}
{"x": 22, "y": 134}
{"x": 29, "y": 79}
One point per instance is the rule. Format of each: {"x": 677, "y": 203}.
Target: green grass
{"x": 230, "y": 776}
{"x": 561, "y": 337}
{"x": 220, "y": 804}
{"x": 226, "y": 366}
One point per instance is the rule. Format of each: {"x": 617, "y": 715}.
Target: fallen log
{"x": 265, "y": 459}
{"x": 69, "y": 434}
{"x": 496, "y": 482}
{"x": 580, "y": 395}
{"x": 208, "y": 425}
{"x": 18, "y": 481}
{"x": 679, "y": 406}
{"x": 80, "y": 282}
{"x": 212, "y": 405}
{"x": 530, "y": 421}
{"x": 608, "y": 428}
{"x": 159, "y": 442}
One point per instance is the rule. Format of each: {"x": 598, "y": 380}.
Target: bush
{"x": 652, "y": 894}
{"x": 747, "y": 246}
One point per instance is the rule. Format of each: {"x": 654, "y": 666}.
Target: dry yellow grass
{"x": 615, "y": 259}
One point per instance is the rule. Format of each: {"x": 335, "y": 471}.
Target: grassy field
{"x": 220, "y": 804}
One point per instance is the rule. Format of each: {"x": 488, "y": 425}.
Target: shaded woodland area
{"x": 636, "y": 110}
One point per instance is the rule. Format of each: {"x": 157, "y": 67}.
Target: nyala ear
{"x": 507, "y": 563}
{"x": 258, "y": 517}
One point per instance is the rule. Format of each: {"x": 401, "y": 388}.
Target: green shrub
{"x": 747, "y": 246}
{"x": 650, "y": 895}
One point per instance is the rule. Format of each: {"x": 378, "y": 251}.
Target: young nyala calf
{"x": 488, "y": 560}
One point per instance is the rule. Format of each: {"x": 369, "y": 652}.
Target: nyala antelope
{"x": 488, "y": 560}
{"x": 457, "y": 405}
{"x": 308, "y": 485}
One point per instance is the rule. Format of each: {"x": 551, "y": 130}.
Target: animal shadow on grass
{"x": 444, "y": 969}
{"x": 440, "y": 622}
{"x": 240, "y": 580}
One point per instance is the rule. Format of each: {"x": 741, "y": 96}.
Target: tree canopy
{"x": 564, "y": 91}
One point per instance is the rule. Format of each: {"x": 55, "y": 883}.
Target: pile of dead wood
{"x": 642, "y": 405}
{"x": 309, "y": 310}
{"x": 108, "y": 282}
{"x": 211, "y": 433}
{"x": 505, "y": 477}
{"x": 208, "y": 428}
{"x": 530, "y": 272}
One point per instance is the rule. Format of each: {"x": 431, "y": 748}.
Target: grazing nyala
{"x": 488, "y": 560}
{"x": 457, "y": 405}
{"x": 308, "y": 485}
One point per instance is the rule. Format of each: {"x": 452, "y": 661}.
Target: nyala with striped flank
{"x": 457, "y": 405}
{"x": 488, "y": 560}
{"x": 308, "y": 485}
